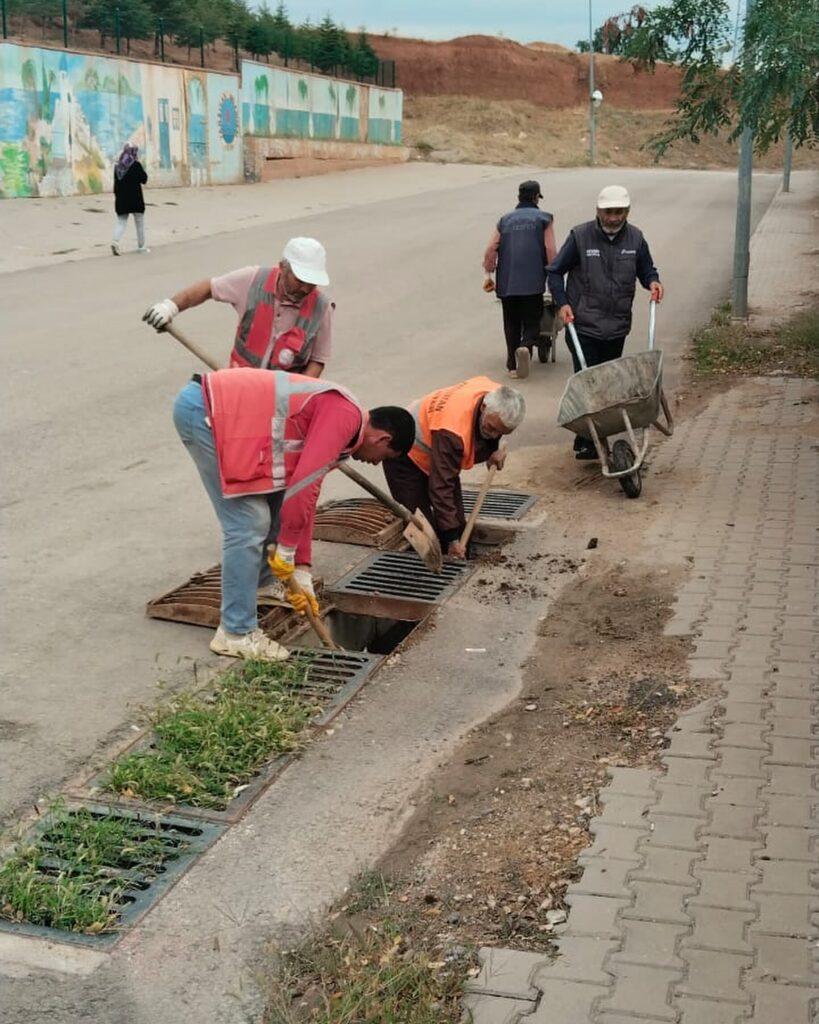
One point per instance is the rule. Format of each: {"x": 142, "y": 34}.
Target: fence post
{"x": 116, "y": 26}
{"x": 201, "y": 46}
{"x": 5, "y": 26}
{"x": 65, "y": 23}
{"x": 162, "y": 40}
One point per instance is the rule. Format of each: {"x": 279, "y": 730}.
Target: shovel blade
{"x": 424, "y": 541}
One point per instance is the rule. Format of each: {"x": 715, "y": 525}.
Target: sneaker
{"x": 272, "y": 594}
{"x": 513, "y": 374}
{"x": 523, "y": 358}
{"x": 115, "y": 248}
{"x": 254, "y": 646}
{"x": 143, "y": 248}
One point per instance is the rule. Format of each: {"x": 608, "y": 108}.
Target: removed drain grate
{"x": 333, "y": 679}
{"x": 197, "y": 603}
{"x": 359, "y": 521}
{"x": 396, "y": 584}
{"x": 500, "y": 504}
{"x": 159, "y": 850}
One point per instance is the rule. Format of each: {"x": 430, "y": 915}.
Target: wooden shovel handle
{"x": 321, "y": 630}
{"x": 191, "y": 347}
{"x": 476, "y": 511}
{"x": 386, "y": 499}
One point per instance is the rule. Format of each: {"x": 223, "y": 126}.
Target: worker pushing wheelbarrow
{"x": 622, "y": 395}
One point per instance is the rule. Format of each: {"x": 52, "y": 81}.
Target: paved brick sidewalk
{"x": 699, "y": 900}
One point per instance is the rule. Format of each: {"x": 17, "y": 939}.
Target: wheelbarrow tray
{"x": 602, "y": 393}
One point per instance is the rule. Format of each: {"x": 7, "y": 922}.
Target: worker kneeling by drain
{"x": 262, "y": 442}
{"x": 455, "y": 428}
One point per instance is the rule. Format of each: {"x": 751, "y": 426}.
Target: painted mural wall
{"x": 278, "y": 103}
{"x": 64, "y": 118}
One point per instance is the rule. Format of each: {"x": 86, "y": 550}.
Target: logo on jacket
{"x": 628, "y": 252}
{"x": 286, "y": 357}
{"x": 592, "y": 252}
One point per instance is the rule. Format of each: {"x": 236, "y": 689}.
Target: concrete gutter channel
{"x": 201, "y": 952}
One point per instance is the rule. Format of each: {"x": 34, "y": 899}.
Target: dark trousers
{"x": 410, "y": 485}
{"x": 595, "y": 351}
{"x": 521, "y": 323}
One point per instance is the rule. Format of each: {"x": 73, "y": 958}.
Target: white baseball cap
{"x": 307, "y": 259}
{"x": 613, "y": 197}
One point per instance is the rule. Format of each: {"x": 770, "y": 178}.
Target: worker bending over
{"x": 262, "y": 442}
{"x": 285, "y": 320}
{"x": 455, "y": 428}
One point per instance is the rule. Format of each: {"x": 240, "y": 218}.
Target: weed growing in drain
{"x": 374, "y": 977}
{"x": 206, "y": 748}
{"x": 76, "y": 874}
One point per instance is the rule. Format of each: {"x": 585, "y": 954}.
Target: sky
{"x": 553, "y": 21}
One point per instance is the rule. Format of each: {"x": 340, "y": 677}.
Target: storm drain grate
{"x": 360, "y": 521}
{"x": 500, "y": 504}
{"x": 399, "y": 576}
{"x": 144, "y": 855}
{"x": 197, "y": 603}
{"x": 331, "y": 680}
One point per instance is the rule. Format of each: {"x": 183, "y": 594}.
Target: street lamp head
{"x": 597, "y": 97}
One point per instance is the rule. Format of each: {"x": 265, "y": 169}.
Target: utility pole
{"x": 591, "y": 88}
{"x": 786, "y": 173}
{"x": 5, "y": 26}
{"x": 116, "y": 25}
{"x": 742, "y": 237}
{"x": 65, "y": 24}
{"x": 162, "y": 40}
{"x": 201, "y": 46}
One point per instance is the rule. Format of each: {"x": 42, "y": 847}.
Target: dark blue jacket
{"x": 521, "y": 266}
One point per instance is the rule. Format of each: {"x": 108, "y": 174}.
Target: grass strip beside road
{"x": 74, "y": 875}
{"x": 206, "y": 748}
{"x": 725, "y": 346}
{"x": 377, "y": 964}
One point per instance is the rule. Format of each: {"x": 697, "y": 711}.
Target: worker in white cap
{"x": 603, "y": 258}
{"x": 284, "y": 319}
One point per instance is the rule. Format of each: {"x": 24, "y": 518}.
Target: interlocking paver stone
{"x": 579, "y": 959}
{"x": 642, "y": 991}
{"x": 506, "y": 972}
{"x": 728, "y": 854}
{"x": 631, "y": 782}
{"x": 687, "y": 771}
{"x": 595, "y": 915}
{"x": 782, "y": 958}
{"x": 782, "y": 914}
{"x": 789, "y": 877}
{"x": 707, "y": 1011}
{"x": 614, "y": 842}
{"x": 603, "y": 877}
{"x": 791, "y": 1004}
{"x": 665, "y": 865}
{"x": 743, "y": 734}
{"x": 741, "y": 763}
{"x": 714, "y": 975}
{"x": 674, "y": 831}
{"x": 718, "y": 928}
{"x": 494, "y": 1010}
{"x": 656, "y": 901}
{"x": 793, "y": 751}
{"x": 686, "y": 800}
{"x": 571, "y": 1002}
{"x": 652, "y": 943}
{"x": 736, "y": 821}
{"x": 722, "y": 889}
{"x": 785, "y": 843}
{"x": 794, "y": 781}
{"x": 742, "y": 792}
{"x": 619, "y": 809}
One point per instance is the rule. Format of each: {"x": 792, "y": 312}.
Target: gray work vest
{"x": 521, "y": 266}
{"x": 601, "y": 289}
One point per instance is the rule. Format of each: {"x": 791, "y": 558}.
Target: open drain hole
{"x": 369, "y": 633}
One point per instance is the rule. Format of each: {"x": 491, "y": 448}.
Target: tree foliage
{"x": 771, "y": 87}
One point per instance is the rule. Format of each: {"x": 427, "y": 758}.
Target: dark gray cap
{"x": 530, "y": 188}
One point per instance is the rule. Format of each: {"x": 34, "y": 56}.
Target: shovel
{"x": 476, "y": 511}
{"x": 418, "y": 530}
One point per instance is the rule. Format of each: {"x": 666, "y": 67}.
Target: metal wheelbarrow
{"x": 623, "y": 395}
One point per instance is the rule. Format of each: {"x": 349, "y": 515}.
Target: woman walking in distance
{"x": 129, "y": 177}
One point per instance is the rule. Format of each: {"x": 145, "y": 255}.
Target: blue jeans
{"x": 248, "y": 524}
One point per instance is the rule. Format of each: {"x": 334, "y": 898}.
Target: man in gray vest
{"x": 604, "y": 258}
{"x": 518, "y": 252}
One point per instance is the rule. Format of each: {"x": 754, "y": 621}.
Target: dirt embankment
{"x": 541, "y": 73}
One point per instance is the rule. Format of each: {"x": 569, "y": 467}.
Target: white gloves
{"x": 161, "y": 314}
{"x": 305, "y": 581}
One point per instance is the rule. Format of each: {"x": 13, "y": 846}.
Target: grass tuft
{"x": 725, "y": 346}
{"x": 206, "y": 747}
{"x": 75, "y": 875}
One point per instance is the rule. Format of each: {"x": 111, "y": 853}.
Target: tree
{"x": 133, "y": 17}
{"x": 772, "y": 89}
{"x": 364, "y": 60}
{"x": 331, "y": 46}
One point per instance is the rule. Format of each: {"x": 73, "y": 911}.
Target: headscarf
{"x": 126, "y": 158}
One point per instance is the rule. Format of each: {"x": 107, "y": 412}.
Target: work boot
{"x": 522, "y": 358}
{"x": 253, "y": 646}
{"x": 115, "y": 248}
{"x": 271, "y": 594}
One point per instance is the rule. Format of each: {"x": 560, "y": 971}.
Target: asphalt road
{"x": 101, "y": 507}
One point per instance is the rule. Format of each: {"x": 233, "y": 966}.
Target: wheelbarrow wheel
{"x": 622, "y": 457}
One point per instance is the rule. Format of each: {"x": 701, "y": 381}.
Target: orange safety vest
{"x": 452, "y": 409}
{"x": 253, "y": 418}
{"x": 256, "y": 345}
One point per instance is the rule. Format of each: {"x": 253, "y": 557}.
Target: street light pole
{"x": 591, "y": 88}
{"x": 786, "y": 173}
{"x": 742, "y": 237}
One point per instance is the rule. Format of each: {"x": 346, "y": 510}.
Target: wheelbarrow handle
{"x": 652, "y": 323}
{"x": 576, "y": 342}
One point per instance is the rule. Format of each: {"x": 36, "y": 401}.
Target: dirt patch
{"x": 515, "y": 132}
{"x": 491, "y": 848}
{"x": 501, "y": 69}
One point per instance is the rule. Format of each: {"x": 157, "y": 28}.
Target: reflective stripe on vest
{"x": 252, "y": 414}
{"x": 451, "y": 409}
{"x": 256, "y": 343}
